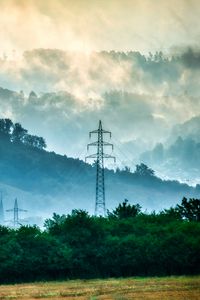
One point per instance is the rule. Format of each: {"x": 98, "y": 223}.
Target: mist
{"x": 98, "y": 25}
{"x": 140, "y": 98}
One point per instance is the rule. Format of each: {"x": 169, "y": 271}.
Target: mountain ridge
{"x": 60, "y": 183}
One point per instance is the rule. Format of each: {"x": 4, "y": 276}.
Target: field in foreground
{"x": 187, "y": 288}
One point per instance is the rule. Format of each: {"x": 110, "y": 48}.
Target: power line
{"x": 126, "y": 154}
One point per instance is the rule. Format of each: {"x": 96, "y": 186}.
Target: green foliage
{"x": 125, "y": 210}
{"x": 15, "y": 133}
{"x": 170, "y": 214}
{"x": 6, "y": 126}
{"x": 190, "y": 209}
{"x": 126, "y": 243}
{"x": 144, "y": 170}
{"x": 18, "y": 133}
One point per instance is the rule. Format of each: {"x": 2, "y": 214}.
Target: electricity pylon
{"x": 16, "y": 213}
{"x": 100, "y": 206}
{"x": 1, "y": 209}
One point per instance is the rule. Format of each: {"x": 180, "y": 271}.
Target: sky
{"x": 54, "y": 48}
{"x": 91, "y": 25}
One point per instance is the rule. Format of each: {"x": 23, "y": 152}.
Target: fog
{"x": 139, "y": 98}
{"x": 98, "y": 25}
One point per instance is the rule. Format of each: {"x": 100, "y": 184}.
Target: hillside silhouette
{"x": 56, "y": 183}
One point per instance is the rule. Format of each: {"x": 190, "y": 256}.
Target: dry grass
{"x": 172, "y": 288}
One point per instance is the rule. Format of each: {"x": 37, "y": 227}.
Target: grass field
{"x": 187, "y": 288}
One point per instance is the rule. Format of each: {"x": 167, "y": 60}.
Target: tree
{"x": 34, "y": 141}
{"x": 53, "y": 225}
{"x": 190, "y": 209}
{"x": 18, "y": 133}
{"x": 84, "y": 236}
{"x": 127, "y": 169}
{"x": 144, "y": 170}
{"x": 125, "y": 210}
{"x": 41, "y": 253}
{"x": 6, "y": 126}
{"x": 170, "y": 214}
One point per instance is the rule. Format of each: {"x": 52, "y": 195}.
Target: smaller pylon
{"x": 1, "y": 209}
{"x": 16, "y": 220}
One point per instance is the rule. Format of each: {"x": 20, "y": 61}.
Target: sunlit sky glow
{"x": 86, "y": 25}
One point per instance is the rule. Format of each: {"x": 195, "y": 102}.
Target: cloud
{"x": 139, "y": 98}
{"x": 98, "y": 25}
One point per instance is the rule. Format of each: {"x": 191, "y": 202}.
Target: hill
{"x": 188, "y": 129}
{"x": 46, "y": 182}
{"x": 179, "y": 156}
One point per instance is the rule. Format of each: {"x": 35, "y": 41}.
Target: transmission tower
{"x": 100, "y": 207}
{"x": 1, "y": 209}
{"x": 16, "y": 220}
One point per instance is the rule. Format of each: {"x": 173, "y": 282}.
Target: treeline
{"x": 189, "y": 57}
{"x": 127, "y": 242}
{"x": 15, "y": 133}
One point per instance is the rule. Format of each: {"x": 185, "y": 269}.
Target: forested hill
{"x": 46, "y": 182}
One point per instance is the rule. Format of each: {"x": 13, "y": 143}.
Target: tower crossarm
{"x": 19, "y": 209}
{"x": 93, "y": 132}
{"x": 100, "y": 130}
{"x": 91, "y": 156}
{"x": 109, "y": 156}
{"x": 96, "y": 144}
